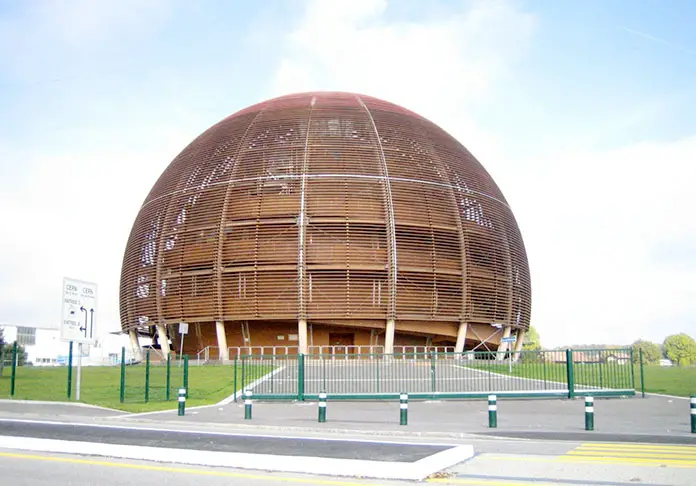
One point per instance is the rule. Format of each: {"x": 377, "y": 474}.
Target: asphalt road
{"x": 250, "y": 444}
{"x": 583, "y": 464}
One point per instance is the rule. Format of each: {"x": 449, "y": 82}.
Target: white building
{"x": 45, "y": 348}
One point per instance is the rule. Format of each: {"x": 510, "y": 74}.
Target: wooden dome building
{"x": 325, "y": 219}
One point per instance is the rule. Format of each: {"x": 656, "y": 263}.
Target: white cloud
{"x": 441, "y": 66}
{"x": 595, "y": 224}
{"x": 592, "y": 221}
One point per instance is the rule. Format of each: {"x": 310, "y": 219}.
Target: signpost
{"x": 79, "y": 321}
{"x": 183, "y": 330}
{"x": 509, "y": 339}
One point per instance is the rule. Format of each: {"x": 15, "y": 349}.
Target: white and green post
{"x": 322, "y": 407}
{"x": 403, "y": 409}
{"x": 247, "y": 405}
{"x": 589, "y": 413}
{"x": 182, "y": 402}
{"x": 492, "y": 411}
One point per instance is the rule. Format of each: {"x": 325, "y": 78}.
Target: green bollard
{"x": 492, "y": 411}
{"x": 322, "y": 407}
{"x": 182, "y": 402}
{"x": 693, "y": 414}
{"x": 403, "y": 409}
{"x": 589, "y": 413}
{"x": 247, "y": 405}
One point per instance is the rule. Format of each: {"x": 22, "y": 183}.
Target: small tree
{"x": 531, "y": 346}
{"x": 21, "y": 354}
{"x": 651, "y": 351}
{"x": 680, "y": 348}
{"x": 532, "y": 342}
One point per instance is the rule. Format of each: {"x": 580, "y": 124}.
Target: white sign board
{"x": 510, "y": 339}
{"x": 79, "y": 322}
{"x": 183, "y": 328}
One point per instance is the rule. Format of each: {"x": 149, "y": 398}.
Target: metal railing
{"x": 432, "y": 375}
{"x": 344, "y": 352}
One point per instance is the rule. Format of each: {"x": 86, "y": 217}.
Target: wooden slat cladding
{"x": 219, "y": 235}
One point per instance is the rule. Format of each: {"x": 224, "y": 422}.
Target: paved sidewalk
{"x": 652, "y": 416}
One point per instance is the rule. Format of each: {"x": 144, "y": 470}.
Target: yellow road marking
{"x": 488, "y": 483}
{"x": 640, "y": 447}
{"x": 627, "y": 460}
{"x": 646, "y": 454}
{"x": 670, "y": 455}
{"x": 181, "y": 470}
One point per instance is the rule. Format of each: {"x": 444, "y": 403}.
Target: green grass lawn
{"x": 675, "y": 380}
{"x": 668, "y": 380}
{"x": 100, "y": 385}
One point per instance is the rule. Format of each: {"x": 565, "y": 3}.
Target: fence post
{"x": 432, "y": 373}
{"x": 492, "y": 411}
{"x": 642, "y": 376}
{"x": 570, "y": 373}
{"x": 186, "y": 376}
{"x": 322, "y": 407}
{"x": 247, "y": 405}
{"x": 234, "y": 379}
{"x": 168, "y": 380}
{"x": 13, "y": 373}
{"x": 69, "y": 390}
{"x": 243, "y": 384}
{"x": 300, "y": 377}
{"x": 147, "y": 376}
{"x": 692, "y": 406}
{"x": 182, "y": 402}
{"x": 403, "y": 409}
{"x": 122, "y": 391}
{"x": 589, "y": 413}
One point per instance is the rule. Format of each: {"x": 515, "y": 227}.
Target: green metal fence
{"x": 431, "y": 375}
{"x": 153, "y": 380}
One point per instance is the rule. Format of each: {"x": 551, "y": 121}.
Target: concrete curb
{"x": 72, "y": 404}
{"x": 415, "y": 471}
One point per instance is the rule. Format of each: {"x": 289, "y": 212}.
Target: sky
{"x": 583, "y": 112}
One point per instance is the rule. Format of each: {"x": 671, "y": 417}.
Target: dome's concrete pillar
{"x": 461, "y": 337}
{"x": 162, "y": 339}
{"x": 503, "y": 347}
{"x": 389, "y": 336}
{"x": 135, "y": 344}
{"x": 223, "y": 352}
{"x": 302, "y": 336}
{"x": 519, "y": 343}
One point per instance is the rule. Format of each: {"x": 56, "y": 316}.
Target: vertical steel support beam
{"x": 219, "y": 263}
{"x": 391, "y": 237}
{"x": 461, "y": 337}
{"x": 223, "y": 352}
{"x": 163, "y": 340}
{"x": 301, "y": 245}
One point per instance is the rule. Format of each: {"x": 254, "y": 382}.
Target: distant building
{"x": 45, "y": 348}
